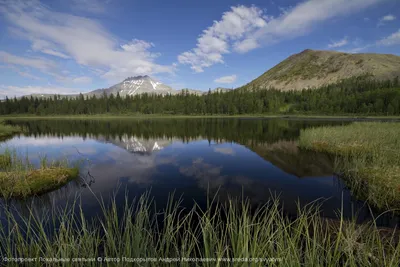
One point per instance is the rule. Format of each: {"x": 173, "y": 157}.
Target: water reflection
{"x": 192, "y": 158}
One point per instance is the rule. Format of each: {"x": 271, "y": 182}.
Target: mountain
{"x": 135, "y": 85}
{"x": 220, "y": 90}
{"x": 138, "y": 145}
{"x": 314, "y": 68}
{"x": 199, "y": 92}
{"x": 191, "y": 91}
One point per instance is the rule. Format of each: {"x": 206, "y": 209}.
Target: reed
{"x": 7, "y": 130}
{"x": 19, "y": 177}
{"x": 224, "y": 234}
{"x": 366, "y": 154}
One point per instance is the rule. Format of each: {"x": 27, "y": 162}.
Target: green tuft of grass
{"x": 19, "y": 178}
{"x": 20, "y": 184}
{"x": 5, "y": 161}
{"x": 8, "y": 130}
{"x": 367, "y": 154}
{"x": 223, "y": 234}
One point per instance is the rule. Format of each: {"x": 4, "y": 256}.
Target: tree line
{"x": 358, "y": 95}
{"x": 217, "y": 129}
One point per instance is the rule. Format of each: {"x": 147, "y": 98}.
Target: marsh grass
{"x": 19, "y": 177}
{"x": 367, "y": 154}
{"x": 230, "y": 230}
{"x": 8, "y": 130}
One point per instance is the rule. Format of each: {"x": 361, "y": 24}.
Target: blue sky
{"x": 62, "y": 46}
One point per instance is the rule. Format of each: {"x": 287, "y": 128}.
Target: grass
{"x": 165, "y": 116}
{"x": 19, "y": 178}
{"x": 8, "y": 130}
{"x": 368, "y": 156}
{"x": 224, "y": 234}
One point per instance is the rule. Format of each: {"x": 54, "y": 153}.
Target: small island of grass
{"x": 19, "y": 178}
{"x": 7, "y": 130}
{"x": 366, "y": 154}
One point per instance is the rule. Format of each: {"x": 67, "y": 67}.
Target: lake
{"x": 194, "y": 158}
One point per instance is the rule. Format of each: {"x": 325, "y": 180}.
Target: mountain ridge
{"x": 136, "y": 85}
{"x": 307, "y": 69}
{"x": 316, "y": 68}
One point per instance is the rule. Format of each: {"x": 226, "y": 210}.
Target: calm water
{"x": 191, "y": 157}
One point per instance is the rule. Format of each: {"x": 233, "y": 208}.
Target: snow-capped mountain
{"x": 137, "y": 145}
{"x": 136, "y": 85}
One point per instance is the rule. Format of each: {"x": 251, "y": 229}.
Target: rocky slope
{"x": 135, "y": 85}
{"x": 313, "y": 68}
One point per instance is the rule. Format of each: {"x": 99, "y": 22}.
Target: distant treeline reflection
{"x": 228, "y": 130}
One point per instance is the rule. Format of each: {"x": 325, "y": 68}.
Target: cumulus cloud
{"x": 246, "y": 45}
{"x": 339, "y": 43}
{"x": 226, "y": 79}
{"x": 234, "y": 27}
{"x": 393, "y": 39}
{"x": 245, "y": 28}
{"x": 81, "y": 39}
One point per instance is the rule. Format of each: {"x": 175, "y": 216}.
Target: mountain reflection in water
{"x": 191, "y": 157}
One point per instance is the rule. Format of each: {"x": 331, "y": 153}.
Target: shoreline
{"x": 255, "y": 116}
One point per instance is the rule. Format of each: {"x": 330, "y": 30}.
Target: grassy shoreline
{"x": 7, "y": 130}
{"x": 172, "y": 236}
{"x": 366, "y": 154}
{"x": 160, "y": 116}
{"x": 19, "y": 178}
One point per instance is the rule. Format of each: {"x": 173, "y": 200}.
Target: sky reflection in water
{"x": 189, "y": 165}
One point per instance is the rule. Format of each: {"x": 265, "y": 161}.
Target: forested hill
{"x": 359, "y": 95}
{"x": 313, "y": 69}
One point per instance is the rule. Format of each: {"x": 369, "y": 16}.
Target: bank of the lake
{"x": 349, "y": 117}
{"x": 233, "y": 159}
{"x": 223, "y": 234}
{"x": 367, "y": 156}
{"x": 20, "y": 179}
{"x": 7, "y": 130}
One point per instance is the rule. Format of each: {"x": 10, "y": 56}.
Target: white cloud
{"x": 234, "y": 27}
{"x": 226, "y": 79}
{"x": 11, "y": 91}
{"x": 339, "y": 43}
{"x": 392, "y": 39}
{"x": 246, "y": 28}
{"x": 388, "y": 18}
{"x": 358, "y": 49}
{"x": 304, "y": 16}
{"x": 81, "y": 39}
{"x": 37, "y": 63}
{"x": 46, "y": 48}
{"x": 82, "y": 79}
{"x": 245, "y": 45}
